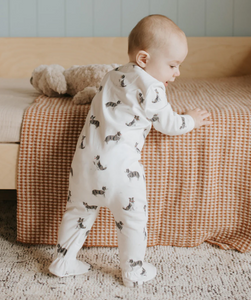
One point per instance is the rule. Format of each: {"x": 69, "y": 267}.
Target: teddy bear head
{"x": 49, "y": 80}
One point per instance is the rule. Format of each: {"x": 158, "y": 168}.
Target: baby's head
{"x": 158, "y": 46}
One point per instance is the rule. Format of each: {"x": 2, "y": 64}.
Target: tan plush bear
{"x": 81, "y": 82}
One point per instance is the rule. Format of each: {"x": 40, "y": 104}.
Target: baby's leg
{"x": 132, "y": 242}
{"x": 76, "y": 224}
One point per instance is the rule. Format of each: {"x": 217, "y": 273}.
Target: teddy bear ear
{"x": 36, "y": 76}
{"x": 56, "y": 79}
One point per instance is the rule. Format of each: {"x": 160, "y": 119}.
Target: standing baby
{"x": 105, "y": 170}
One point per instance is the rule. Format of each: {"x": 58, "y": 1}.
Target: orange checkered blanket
{"x": 198, "y": 184}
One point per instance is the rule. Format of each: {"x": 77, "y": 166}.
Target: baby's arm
{"x": 165, "y": 120}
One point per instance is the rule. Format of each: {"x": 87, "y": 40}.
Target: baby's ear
{"x": 142, "y": 58}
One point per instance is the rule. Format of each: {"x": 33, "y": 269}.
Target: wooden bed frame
{"x": 207, "y": 57}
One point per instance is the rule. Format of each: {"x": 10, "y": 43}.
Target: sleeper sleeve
{"x": 161, "y": 114}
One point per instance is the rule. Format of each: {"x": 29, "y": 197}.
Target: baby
{"x": 105, "y": 169}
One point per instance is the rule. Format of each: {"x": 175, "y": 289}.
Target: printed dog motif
{"x": 136, "y": 147}
{"x": 98, "y": 164}
{"x": 80, "y": 223}
{"x": 133, "y": 122}
{"x": 145, "y": 133}
{"x": 99, "y": 192}
{"x": 132, "y": 174}
{"x": 94, "y": 122}
{"x": 122, "y": 81}
{"x": 183, "y": 123}
{"x": 133, "y": 264}
{"x": 82, "y": 142}
{"x": 130, "y": 205}
{"x": 113, "y": 104}
{"x": 154, "y": 118}
{"x": 89, "y": 206}
{"x": 69, "y": 196}
{"x": 114, "y": 138}
{"x": 141, "y": 99}
{"x": 119, "y": 225}
{"x": 144, "y": 273}
{"x": 157, "y": 99}
{"x": 145, "y": 233}
{"x": 61, "y": 250}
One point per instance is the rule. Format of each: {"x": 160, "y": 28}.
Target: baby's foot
{"x": 133, "y": 279}
{"x": 62, "y": 268}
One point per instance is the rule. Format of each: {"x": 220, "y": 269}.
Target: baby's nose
{"x": 177, "y": 72}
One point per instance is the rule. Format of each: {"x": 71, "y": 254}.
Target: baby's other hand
{"x": 199, "y": 117}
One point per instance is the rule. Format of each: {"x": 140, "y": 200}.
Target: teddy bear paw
{"x": 85, "y": 96}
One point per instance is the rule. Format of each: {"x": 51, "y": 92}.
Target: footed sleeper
{"x": 106, "y": 171}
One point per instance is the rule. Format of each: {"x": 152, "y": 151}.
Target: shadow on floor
{"x": 8, "y": 215}
{"x": 8, "y": 195}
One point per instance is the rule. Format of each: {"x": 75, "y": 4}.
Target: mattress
{"x": 16, "y": 95}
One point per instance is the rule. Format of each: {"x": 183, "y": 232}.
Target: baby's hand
{"x": 199, "y": 117}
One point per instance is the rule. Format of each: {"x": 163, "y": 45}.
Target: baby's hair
{"x": 150, "y": 33}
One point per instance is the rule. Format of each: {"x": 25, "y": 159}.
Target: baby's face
{"x": 164, "y": 63}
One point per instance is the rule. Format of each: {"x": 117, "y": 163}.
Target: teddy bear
{"x": 81, "y": 82}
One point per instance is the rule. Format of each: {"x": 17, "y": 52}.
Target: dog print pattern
{"x": 133, "y": 122}
{"x": 61, "y": 250}
{"x": 80, "y": 224}
{"x": 132, "y": 174}
{"x": 113, "y": 104}
{"x": 99, "y": 192}
{"x": 98, "y": 164}
{"x": 130, "y": 206}
{"x": 94, "y": 122}
{"x": 114, "y": 138}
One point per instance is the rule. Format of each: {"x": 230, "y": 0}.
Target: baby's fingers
{"x": 205, "y": 114}
{"x": 207, "y": 123}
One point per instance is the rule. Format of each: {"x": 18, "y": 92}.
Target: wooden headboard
{"x": 207, "y": 57}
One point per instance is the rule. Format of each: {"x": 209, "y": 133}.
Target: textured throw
{"x": 198, "y": 184}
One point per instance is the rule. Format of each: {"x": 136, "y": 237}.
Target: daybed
{"x": 198, "y": 184}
